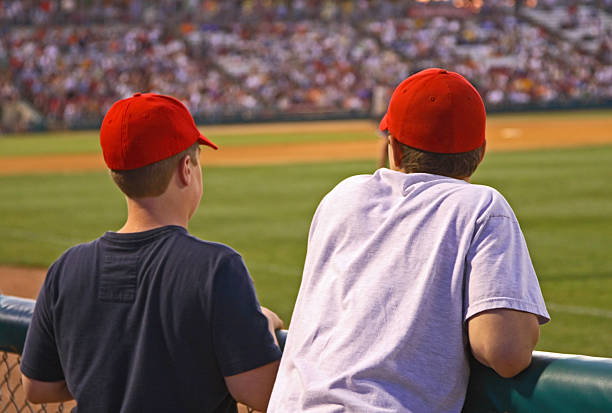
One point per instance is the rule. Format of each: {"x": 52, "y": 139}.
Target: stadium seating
{"x": 264, "y": 59}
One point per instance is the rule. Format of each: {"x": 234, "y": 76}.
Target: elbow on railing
{"x": 506, "y": 361}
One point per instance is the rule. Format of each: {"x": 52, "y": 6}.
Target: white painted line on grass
{"x": 575, "y": 309}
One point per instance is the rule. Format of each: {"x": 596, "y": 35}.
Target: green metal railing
{"x": 553, "y": 383}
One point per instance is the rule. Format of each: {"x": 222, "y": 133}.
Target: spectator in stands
{"x": 269, "y": 58}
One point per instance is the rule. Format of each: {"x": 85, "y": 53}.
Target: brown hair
{"x": 454, "y": 165}
{"x": 153, "y": 179}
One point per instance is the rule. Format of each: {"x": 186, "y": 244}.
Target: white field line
{"x": 575, "y": 309}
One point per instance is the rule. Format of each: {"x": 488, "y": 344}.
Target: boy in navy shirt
{"x": 150, "y": 318}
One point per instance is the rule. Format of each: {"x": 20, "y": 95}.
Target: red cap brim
{"x": 205, "y": 141}
{"x": 383, "y": 124}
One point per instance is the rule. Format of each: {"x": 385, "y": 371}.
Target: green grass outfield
{"x": 563, "y": 199}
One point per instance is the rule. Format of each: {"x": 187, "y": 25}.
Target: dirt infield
{"x": 504, "y": 133}
{"x": 21, "y": 282}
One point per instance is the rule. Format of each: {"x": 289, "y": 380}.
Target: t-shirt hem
{"x": 252, "y": 363}
{"x": 38, "y": 375}
{"x": 508, "y": 303}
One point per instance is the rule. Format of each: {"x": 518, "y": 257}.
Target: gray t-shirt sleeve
{"x": 499, "y": 272}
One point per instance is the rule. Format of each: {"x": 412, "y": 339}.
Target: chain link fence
{"x": 12, "y": 398}
{"x": 15, "y": 316}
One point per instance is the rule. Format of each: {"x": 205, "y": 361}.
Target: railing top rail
{"x": 553, "y": 382}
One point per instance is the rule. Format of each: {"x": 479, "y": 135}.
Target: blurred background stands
{"x": 63, "y": 62}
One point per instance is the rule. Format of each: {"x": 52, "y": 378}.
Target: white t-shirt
{"x": 396, "y": 265}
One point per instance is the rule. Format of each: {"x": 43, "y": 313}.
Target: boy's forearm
{"x": 37, "y": 391}
{"x": 503, "y": 339}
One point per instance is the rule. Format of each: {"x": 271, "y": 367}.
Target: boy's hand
{"x": 274, "y": 321}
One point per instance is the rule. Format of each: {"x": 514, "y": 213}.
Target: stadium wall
{"x": 36, "y": 123}
{"x": 314, "y": 116}
{"x": 553, "y": 383}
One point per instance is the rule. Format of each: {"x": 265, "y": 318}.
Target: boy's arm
{"x": 274, "y": 322}
{"x": 253, "y": 387}
{"x": 504, "y": 339}
{"x": 40, "y": 356}
{"x": 243, "y": 335}
{"x": 37, "y": 391}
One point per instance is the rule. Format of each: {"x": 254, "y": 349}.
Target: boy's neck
{"x": 149, "y": 213}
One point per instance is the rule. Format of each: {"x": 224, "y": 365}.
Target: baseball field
{"x": 263, "y": 185}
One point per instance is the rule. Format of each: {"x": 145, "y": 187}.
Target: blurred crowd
{"x": 510, "y": 62}
{"x": 68, "y": 60}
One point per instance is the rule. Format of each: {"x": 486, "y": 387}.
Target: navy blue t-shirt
{"x": 148, "y": 321}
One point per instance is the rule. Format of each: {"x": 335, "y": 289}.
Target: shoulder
{"x": 189, "y": 243}
{"x": 214, "y": 258}
{"x": 476, "y": 193}
{"x": 69, "y": 264}
{"x": 350, "y": 183}
{"x": 463, "y": 194}
{"x": 490, "y": 202}
{"x": 76, "y": 253}
{"x": 349, "y": 193}
{"x": 354, "y": 188}
{"x": 479, "y": 197}
{"x": 457, "y": 198}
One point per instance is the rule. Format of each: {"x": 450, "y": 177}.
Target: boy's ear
{"x": 184, "y": 171}
{"x": 395, "y": 154}
{"x": 484, "y": 150}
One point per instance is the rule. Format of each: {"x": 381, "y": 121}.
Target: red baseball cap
{"x": 438, "y": 111}
{"x": 147, "y": 128}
